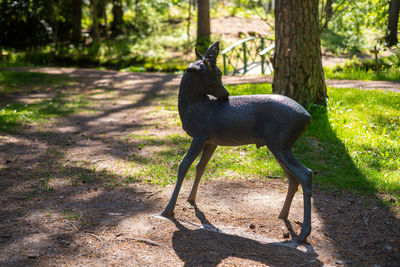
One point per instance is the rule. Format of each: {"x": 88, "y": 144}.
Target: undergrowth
{"x": 388, "y": 69}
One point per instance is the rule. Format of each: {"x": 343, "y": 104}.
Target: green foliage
{"x": 333, "y": 42}
{"x": 243, "y": 8}
{"x": 362, "y": 23}
{"x": 143, "y": 51}
{"x": 22, "y": 24}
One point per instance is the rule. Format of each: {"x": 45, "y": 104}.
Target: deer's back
{"x": 246, "y": 119}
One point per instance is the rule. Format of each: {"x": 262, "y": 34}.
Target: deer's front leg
{"x": 195, "y": 148}
{"x": 208, "y": 151}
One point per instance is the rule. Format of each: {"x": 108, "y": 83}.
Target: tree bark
{"x": 118, "y": 13}
{"x": 54, "y": 23}
{"x": 95, "y": 18}
{"x": 77, "y": 21}
{"x": 393, "y": 21}
{"x": 189, "y": 19}
{"x": 203, "y": 25}
{"x": 328, "y": 13}
{"x": 298, "y": 71}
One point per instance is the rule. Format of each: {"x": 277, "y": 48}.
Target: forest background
{"x": 147, "y": 35}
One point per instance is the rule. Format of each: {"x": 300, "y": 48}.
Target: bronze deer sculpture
{"x": 272, "y": 120}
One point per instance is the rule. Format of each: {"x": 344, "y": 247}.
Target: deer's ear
{"x": 206, "y": 64}
{"x": 212, "y": 53}
{"x": 198, "y": 54}
{"x": 193, "y": 67}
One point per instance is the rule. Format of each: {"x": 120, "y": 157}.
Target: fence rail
{"x": 245, "y": 55}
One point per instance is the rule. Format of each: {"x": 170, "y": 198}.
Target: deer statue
{"x": 212, "y": 117}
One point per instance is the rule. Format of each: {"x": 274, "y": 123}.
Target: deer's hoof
{"x": 167, "y": 213}
{"x": 283, "y": 216}
{"x": 192, "y": 201}
{"x": 302, "y": 238}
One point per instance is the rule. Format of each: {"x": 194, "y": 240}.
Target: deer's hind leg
{"x": 292, "y": 189}
{"x": 208, "y": 151}
{"x": 303, "y": 175}
{"x": 195, "y": 148}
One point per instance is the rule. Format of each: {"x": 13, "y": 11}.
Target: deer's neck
{"x": 190, "y": 92}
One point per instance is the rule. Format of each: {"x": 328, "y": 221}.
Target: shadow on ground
{"x": 40, "y": 219}
{"x": 209, "y": 246}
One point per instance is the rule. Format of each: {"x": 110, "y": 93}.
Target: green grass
{"x": 385, "y": 74}
{"x": 18, "y": 114}
{"x": 359, "y": 141}
{"x": 14, "y": 113}
{"x": 366, "y": 69}
{"x": 23, "y": 81}
{"x": 228, "y": 162}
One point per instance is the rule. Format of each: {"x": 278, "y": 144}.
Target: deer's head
{"x": 209, "y": 72}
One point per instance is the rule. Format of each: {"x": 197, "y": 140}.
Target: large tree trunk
{"x": 203, "y": 25}
{"x": 76, "y": 21}
{"x": 118, "y": 13}
{"x": 394, "y": 9}
{"x": 297, "y": 61}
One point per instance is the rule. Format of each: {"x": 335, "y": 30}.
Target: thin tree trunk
{"x": 393, "y": 22}
{"x": 203, "y": 25}
{"x": 328, "y": 13}
{"x": 77, "y": 21}
{"x": 95, "y": 28}
{"x": 54, "y": 23}
{"x": 297, "y": 61}
{"x": 189, "y": 22}
{"x": 106, "y": 26}
{"x": 118, "y": 13}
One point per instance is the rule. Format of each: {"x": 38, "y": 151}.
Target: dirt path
{"x": 104, "y": 77}
{"x": 49, "y": 219}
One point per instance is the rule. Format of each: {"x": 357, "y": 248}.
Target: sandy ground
{"x": 90, "y": 223}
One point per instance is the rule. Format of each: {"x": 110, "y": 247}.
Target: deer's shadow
{"x": 210, "y": 246}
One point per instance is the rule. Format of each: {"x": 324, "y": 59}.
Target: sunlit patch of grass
{"x": 250, "y": 89}
{"x": 17, "y": 114}
{"x": 359, "y": 136}
{"x": 160, "y": 166}
{"x": 37, "y": 111}
{"x": 354, "y": 73}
